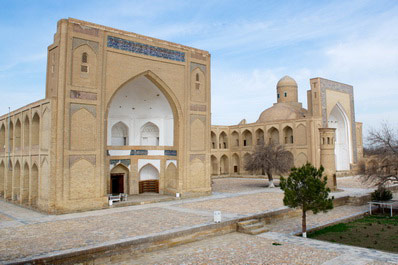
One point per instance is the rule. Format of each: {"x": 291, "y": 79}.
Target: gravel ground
{"x": 236, "y": 248}
{"x": 247, "y": 204}
{"x": 41, "y": 238}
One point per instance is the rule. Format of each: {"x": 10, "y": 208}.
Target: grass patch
{"x": 376, "y": 232}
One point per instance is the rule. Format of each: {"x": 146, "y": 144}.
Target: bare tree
{"x": 382, "y": 167}
{"x": 270, "y": 159}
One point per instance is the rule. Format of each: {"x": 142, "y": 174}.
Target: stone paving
{"x": 25, "y": 233}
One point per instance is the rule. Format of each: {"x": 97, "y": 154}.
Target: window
{"x": 225, "y": 145}
{"x": 197, "y": 77}
{"x": 84, "y": 57}
{"x": 285, "y": 94}
{"x": 279, "y": 95}
{"x": 244, "y": 142}
{"x": 197, "y": 86}
{"x": 84, "y": 68}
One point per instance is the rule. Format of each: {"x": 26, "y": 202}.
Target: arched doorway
{"x": 338, "y": 119}
{"x": 119, "y": 180}
{"x": 149, "y": 179}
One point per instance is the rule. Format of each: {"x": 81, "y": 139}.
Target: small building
{"x": 325, "y": 133}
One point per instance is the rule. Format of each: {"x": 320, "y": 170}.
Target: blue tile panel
{"x": 170, "y": 152}
{"x": 139, "y": 152}
{"x": 145, "y": 49}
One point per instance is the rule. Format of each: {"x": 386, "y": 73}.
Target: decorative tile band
{"x": 125, "y": 162}
{"x": 145, "y": 49}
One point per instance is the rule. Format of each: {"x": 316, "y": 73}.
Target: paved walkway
{"x": 25, "y": 233}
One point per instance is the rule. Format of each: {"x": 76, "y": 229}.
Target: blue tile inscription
{"x": 145, "y": 49}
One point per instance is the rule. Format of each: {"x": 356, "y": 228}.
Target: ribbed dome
{"x": 281, "y": 111}
{"x": 286, "y": 81}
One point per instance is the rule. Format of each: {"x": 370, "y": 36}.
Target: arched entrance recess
{"x": 141, "y": 100}
{"x": 338, "y": 119}
{"x": 149, "y": 179}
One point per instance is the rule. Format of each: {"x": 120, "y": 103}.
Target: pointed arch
{"x": 18, "y": 135}
{"x": 224, "y": 165}
{"x": 223, "y": 140}
{"x": 149, "y": 172}
{"x": 16, "y": 182}
{"x": 214, "y": 165}
{"x": 260, "y": 136}
{"x": 119, "y": 179}
{"x": 120, "y": 134}
{"x": 247, "y": 137}
{"x": 2, "y": 178}
{"x": 35, "y": 130}
{"x": 2, "y": 137}
{"x": 235, "y": 138}
{"x": 273, "y": 135}
{"x": 25, "y": 183}
{"x": 213, "y": 137}
{"x": 235, "y": 164}
{"x": 171, "y": 180}
{"x": 338, "y": 119}
{"x": 288, "y": 135}
{"x": 166, "y": 91}
{"x": 26, "y": 133}
{"x": 34, "y": 185}
{"x": 149, "y": 134}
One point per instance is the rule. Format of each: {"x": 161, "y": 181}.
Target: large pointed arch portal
{"x": 338, "y": 119}
{"x": 137, "y": 103}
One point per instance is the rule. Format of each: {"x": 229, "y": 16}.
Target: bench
{"x": 117, "y": 198}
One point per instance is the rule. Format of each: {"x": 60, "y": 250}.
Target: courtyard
{"x": 26, "y": 234}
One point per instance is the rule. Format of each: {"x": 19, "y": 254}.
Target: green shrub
{"x": 381, "y": 194}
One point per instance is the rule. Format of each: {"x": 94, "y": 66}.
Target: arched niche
{"x": 149, "y": 134}
{"x": 149, "y": 179}
{"x": 18, "y": 134}
{"x": 16, "y": 181}
{"x": 235, "y": 164}
{"x": 214, "y": 165}
{"x": 2, "y": 178}
{"x": 259, "y": 136}
{"x": 84, "y": 66}
{"x": 247, "y": 138}
{"x": 149, "y": 172}
{"x": 273, "y": 136}
{"x": 2, "y": 137}
{"x": 34, "y": 185}
{"x": 213, "y": 137}
{"x": 11, "y": 136}
{"x": 223, "y": 140}
{"x": 224, "y": 165}
{"x": 25, "y": 184}
{"x": 338, "y": 119}
{"x": 120, "y": 134}
{"x": 198, "y": 88}
{"x": 235, "y": 138}
{"x": 288, "y": 135}
{"x": 141, "y": 100}
{"x": 26, "y": 133}
{"x": 35, "y": 130}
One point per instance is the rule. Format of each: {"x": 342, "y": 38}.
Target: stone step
{"x": 252, "y": 226}
{"x": 248, "y": 222}
{"x": 258, "y": 231}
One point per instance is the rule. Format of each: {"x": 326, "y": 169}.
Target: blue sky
{"x": 252, "y": 43}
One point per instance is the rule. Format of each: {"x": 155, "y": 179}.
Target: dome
{"x": 286, "y": 81}
{"x": 281, "y": 111}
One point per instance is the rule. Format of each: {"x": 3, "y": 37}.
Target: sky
{"x": 252, "y": 44}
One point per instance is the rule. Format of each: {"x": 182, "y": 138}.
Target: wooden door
{"x": 117, "y": 183}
